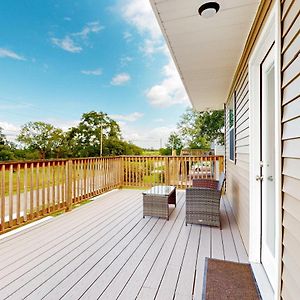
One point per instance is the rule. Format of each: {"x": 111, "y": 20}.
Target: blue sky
{"x": 59, "y": 59}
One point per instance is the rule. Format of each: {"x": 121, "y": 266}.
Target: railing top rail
{"x": 53, "y": 161}
{"x": 177, "y": 156}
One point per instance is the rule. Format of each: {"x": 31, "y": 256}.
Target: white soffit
{"x": 206, "y": 51}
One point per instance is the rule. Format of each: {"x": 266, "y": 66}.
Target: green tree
{"x": 6, "y": 148}
{"x": 131, "y": 149}
{"x": 199, "y": 129}
{"x": 3, "y": 140}
{"x": 174, "y": 142}
{"x": 165, "y": 151}
{"x": 41, "y": 137}
{"x": 84, "y": 139}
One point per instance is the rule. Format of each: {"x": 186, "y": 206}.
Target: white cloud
{"x": 9, "y": 127}
{"x": 67, "y": 44}
{"x": 130, "y": 117}
{"x": 95, "y": 72}
{"x": 120, "y": 79}
{"x": 62, "y": 124}
{"x": 71, "y": 42}
{"x": 92, "y": 27}
{"x": 10, "y": 54}
{"x": 10, "y": 130}
{"x": 169, "y": 91}
{"x": 139, "y": 14}
{"x": 151, "y": 47}
{"x": 153, "y": 137}
{"x": 12, "y": 106}
{"x": 127, "y": 36}
{"x": 159, "y": 120}
{"x": 125, "y": 60}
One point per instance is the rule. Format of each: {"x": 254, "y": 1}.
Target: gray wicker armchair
{"x": 203, "y": 201}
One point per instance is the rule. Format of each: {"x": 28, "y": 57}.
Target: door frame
{"x": 269, "y": 35}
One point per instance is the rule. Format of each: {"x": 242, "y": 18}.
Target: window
{"x": 231, "y": 116}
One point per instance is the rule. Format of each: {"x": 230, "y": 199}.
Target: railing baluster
{"x": 3, "y": 204}
{"x": 18, "y": 194}
{"x": 48, "y": 187}
{"x": 31, "y": 191}
{"x": 37, "y": 191}
{"x": 11, "y": 209}
{"x": 43, "y": 188}
{"x": 25, "y": 188}
{"x": 53, "y": 187}
{"x": 126, "y": 168}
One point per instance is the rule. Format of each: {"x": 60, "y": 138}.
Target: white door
{"x": 268, "y": 224}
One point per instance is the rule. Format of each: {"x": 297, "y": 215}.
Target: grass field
{"x": 37, "y": 179}
{"x": 151, "y": 153}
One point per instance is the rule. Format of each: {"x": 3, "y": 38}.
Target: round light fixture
{"x": 208, "y": 9}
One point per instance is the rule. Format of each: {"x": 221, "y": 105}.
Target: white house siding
{"x": 237, "y": 179}
{"x": 291, "y": 148}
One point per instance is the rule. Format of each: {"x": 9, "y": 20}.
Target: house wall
{"x": 237, "y": 172}
{"x": 291, "y": 148}
{"x": 237, "y": 179}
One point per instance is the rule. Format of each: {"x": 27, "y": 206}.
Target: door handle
{"x": 270, "y": 178}
{"x": 259, "y": 178}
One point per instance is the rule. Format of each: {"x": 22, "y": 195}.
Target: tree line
{"x": 40, "y": 140}
{"x": 196, "y": 130}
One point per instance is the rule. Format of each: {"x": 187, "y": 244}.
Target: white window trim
{"x": 233, "y": 127}
{"x": 270, "y": 33}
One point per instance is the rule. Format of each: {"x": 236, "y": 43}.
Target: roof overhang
{"x": 206, "y": 51}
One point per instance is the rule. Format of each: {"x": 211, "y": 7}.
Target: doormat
{"x": 229, "y": 280}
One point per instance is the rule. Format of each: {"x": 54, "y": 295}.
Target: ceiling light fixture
{"x": 209, "y": 9}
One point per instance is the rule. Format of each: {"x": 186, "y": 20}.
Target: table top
{"x": 160, "y": 190}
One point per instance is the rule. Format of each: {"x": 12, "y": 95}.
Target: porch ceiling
{"x": 206, "y": 51}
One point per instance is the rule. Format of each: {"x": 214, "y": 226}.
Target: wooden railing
{"x": 34, "y": 189}
{"x": 147, "y": 171}
{"x": 31, "y": 190}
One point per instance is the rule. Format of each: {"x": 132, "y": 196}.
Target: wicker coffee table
{"x": 156, "y": 201}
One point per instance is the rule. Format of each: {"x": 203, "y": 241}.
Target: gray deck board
{"x": 36, "y": 255}
{"x": 186, "y": 277}
{"x": 58, "y": 230}
{"x": 106, "y": 250}
{"x": 141, "y": 263}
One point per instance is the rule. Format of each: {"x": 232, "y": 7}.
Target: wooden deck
{"x": 106, "y": 250}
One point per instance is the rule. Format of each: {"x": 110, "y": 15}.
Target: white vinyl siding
{"x": 291, "y": 148}
{"x": 237, "y": 171}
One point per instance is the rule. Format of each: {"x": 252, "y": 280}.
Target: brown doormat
{"x": 229, "y": 280}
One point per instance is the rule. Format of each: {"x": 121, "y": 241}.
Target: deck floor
{"x": 106, "y": 250}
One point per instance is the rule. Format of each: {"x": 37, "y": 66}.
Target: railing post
{"x": 2, "y": 209}
{"x": 68, "y": 190}
{"x": 167, "y": 170}
{"x": 221, "y": 164}
{"x": 214, "y": 164}
{"x": 122, "y": 171}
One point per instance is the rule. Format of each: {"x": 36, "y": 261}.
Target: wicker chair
{"x": 203, "y": 201}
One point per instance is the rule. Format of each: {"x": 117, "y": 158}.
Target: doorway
{"x": 267, "y": 165}
{"x": 265, "y": 156}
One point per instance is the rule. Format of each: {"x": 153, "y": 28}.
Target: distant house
{"x": 196, "y": 152}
